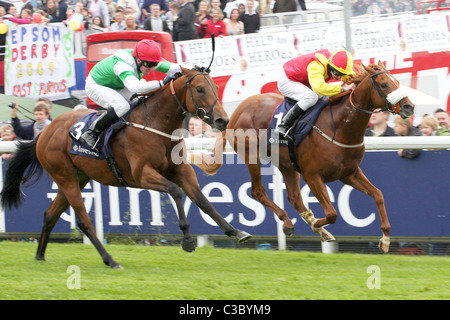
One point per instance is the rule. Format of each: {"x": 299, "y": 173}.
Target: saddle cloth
{"x": 103, "y": 145}
{"x": 303, "y": 126}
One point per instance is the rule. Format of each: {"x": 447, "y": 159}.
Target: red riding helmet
{"x": 147, "y": 50}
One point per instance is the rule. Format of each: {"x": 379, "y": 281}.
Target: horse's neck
{"x": 349, "y": 122}
{"x": 160, "y": 111}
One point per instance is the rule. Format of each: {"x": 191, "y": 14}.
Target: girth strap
{"x": 112, "y": 164}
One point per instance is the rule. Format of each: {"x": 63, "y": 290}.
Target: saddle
{"x": 103, "y": 144}
{"x": 302, "y": 127}
{"x": 78, "y": 128}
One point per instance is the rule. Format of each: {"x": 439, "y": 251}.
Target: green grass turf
{"x": 164, "y": 272}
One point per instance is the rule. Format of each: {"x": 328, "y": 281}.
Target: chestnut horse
{"x": 332, "y": 151}
{"x": 142, "y": 151}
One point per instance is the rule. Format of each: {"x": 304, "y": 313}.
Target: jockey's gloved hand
{"x": 171, "y": 77}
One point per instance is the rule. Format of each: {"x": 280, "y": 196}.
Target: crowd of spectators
{"x": 437, "y": 124}
{"x": 184, "y": 19}
{"x": 385, "y": 7}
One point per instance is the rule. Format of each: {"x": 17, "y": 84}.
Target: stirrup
{"x": 285, "y": 135}
{"x": 92, "y": 140}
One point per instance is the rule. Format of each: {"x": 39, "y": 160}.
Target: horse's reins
{"x": 145, "y": 127}
{"x": 389, "y": 107}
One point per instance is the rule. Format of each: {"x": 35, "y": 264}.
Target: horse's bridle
{"x": 394, "y": 109}
{"x": 199, "y": 111}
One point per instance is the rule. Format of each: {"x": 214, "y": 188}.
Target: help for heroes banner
{"x": 261, "y": 52}
{"x": 39, "y": 61}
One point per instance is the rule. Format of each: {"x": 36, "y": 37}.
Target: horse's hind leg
{"x": 259, "y": 193}
{"x": 51, "y": 216}
{"x": 73, "y": 194}
{"x": 246, "y": 150}
{"x": 70, "y": 185}
{"x": 360, "y": 182}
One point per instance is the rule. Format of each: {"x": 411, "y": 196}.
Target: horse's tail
{"x": 210, "y": 164}
{"x": 21, "y": 168}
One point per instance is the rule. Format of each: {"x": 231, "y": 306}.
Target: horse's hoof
{"x": 242, "y": 236}
{"x": 39, "y": 258}
{"x": 384, "y": 244}
{"x": 188, "y": 245}
{"x": 112, "y": 264}
{"x": 288, "y": 231}
{"x": 325, "y": 236}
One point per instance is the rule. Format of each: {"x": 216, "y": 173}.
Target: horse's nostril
{"x": 220, "y": 123}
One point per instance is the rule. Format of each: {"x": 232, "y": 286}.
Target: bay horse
{"x": 142, "y": 151}
{"x": 332, "y": 151}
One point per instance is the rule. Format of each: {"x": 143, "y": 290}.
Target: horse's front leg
{"x": 186, "y": 178}
{"x": 151, "y": 179}
{"x": 292, "y": 181}
{"x": 360, "y": 182}
{"x": 319, "y": 190}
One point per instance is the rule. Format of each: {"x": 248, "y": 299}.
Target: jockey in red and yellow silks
{"x": 306, "y": 78}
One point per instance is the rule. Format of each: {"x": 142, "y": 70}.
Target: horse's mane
{"x": 361, "y": 74}
{"x": 195, "y": 68}
{"x": 201, "y": 69}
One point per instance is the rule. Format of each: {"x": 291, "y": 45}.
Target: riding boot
{"x": 91, "y": 135}
{"x": 287, "y": 122}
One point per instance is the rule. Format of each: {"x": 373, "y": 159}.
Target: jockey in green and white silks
{"x": 113, "y": 81}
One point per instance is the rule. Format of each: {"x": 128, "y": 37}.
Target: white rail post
{"x": 278, "y": 199}
{"x": 2, "y": 211}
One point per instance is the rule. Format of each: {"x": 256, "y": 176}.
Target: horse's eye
{"x": 384, "y": 85}
{"x": 200, "y": 90}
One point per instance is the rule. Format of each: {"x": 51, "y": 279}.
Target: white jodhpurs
{"x": 107, "y": 97}
{"x": 305, "y": 97}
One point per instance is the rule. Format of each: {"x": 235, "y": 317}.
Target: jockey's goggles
{"x": 148, "y": 64}
{"x": 337, "y": 73}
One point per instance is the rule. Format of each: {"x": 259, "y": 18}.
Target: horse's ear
{"x": 184, "y": 70}
{"x": 368, "y": 70}
{"x": 381, "y": 65}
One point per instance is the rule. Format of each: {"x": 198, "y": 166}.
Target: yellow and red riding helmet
{"x": 342, "y": 61}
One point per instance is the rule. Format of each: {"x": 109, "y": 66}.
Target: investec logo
{"x": 81, "y": 149}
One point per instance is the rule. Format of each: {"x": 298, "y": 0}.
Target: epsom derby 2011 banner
{"x": 39, "y": 61}
{"x": 260, "y": 52}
